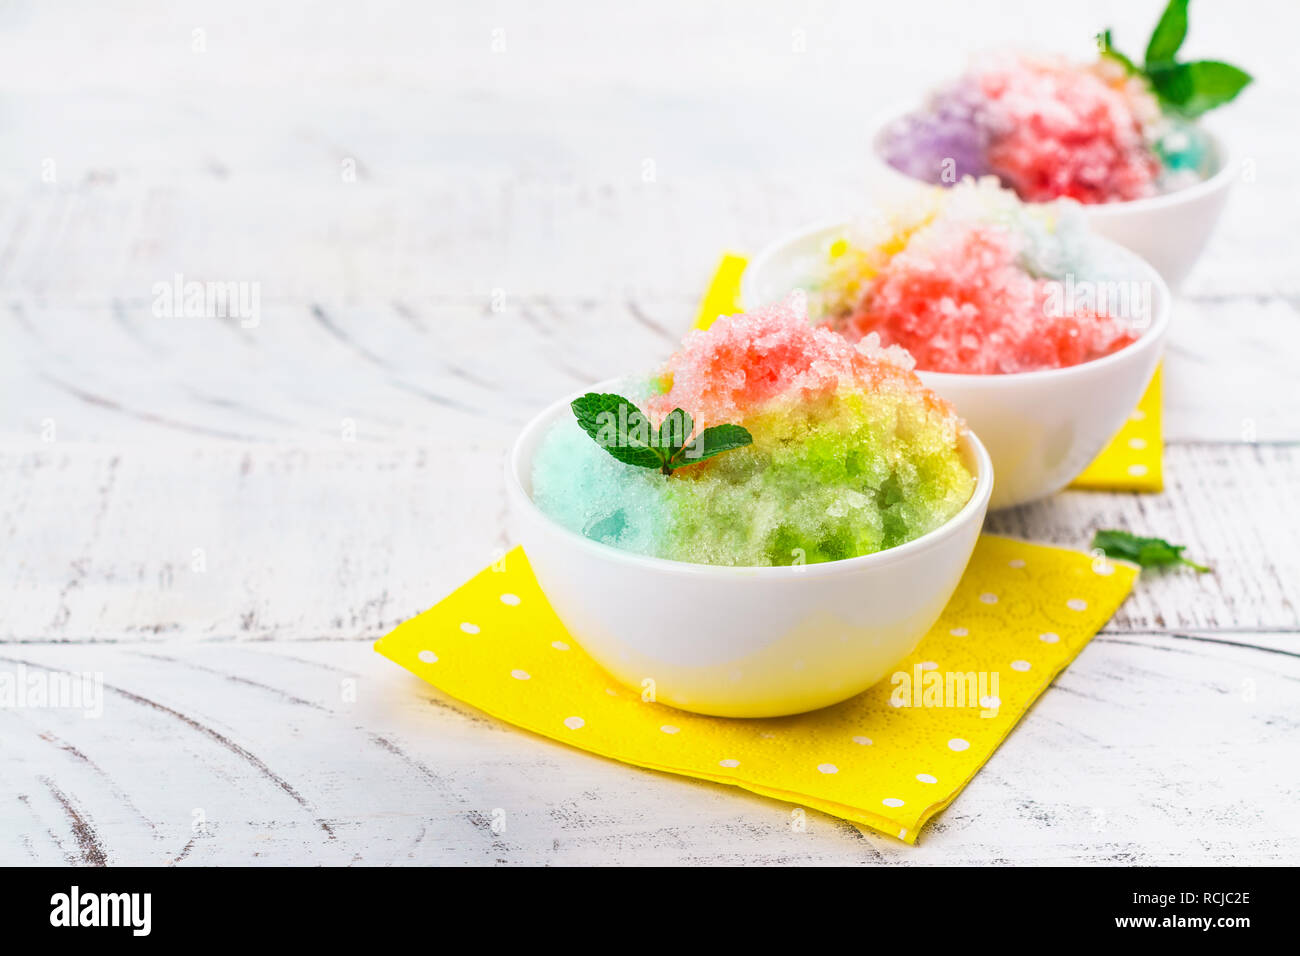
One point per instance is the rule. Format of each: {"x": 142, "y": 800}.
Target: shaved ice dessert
{"x": 850, "y": 453}
{"x": 1048, "y": 129}
{"x": 1099, "y": 132}
{"x": 971, "y": 280}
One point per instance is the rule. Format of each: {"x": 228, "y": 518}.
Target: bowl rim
{"x": 1150, "y": 337}
{"x": 972, "y": 449}
{"x": 1220, "y": 179}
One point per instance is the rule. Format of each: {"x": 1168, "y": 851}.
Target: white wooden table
{"x": 451, "y": 220}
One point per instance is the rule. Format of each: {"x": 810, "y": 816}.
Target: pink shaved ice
{"x": 961, "y": 303}
{"x": 744, "y": 362}
{"x": 1069, "y": 133}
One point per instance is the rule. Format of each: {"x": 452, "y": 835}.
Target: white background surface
{"x": 582, "y": 177}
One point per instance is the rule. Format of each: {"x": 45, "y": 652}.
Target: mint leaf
{"x": 674, "y": 432}
{"x": 1145, "y": 552}
{"x": 1187, "y": 89}
{"x": 1196, "y": 88}
{"x": 623, "y": 430}
{"x": 1106, "y": 49}
{"x": 1168, "y": 35}
{"x": 1172, "y": 83}
{"x": 712, "y": 441}
{"x": 619, "y": 427}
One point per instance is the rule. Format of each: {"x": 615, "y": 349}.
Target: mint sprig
{"x": 623, "y": 430}
{"x": 1146, "y": 552}
{"x": 1188, "y": 89}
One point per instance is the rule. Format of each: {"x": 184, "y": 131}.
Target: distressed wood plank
{"x": 347, "y": 540}
{"x": 323, "y": 752}
{"x": 1230, "y": 504}
{"x": 421, "y": 369}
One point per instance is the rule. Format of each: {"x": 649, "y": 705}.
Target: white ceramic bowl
{"x": 743, "y": 642}
{"x": 1169, "y": 231}
{"x": 1042, "y": 429}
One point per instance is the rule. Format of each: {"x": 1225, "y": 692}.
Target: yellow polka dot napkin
{"x": 722, "y": 297}
{"x": 888, "y": 759}
{"x": 1131, "y": 462}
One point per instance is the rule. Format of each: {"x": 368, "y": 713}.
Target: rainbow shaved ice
{"x": 971, "y": 280}
{"x": 851, "y": 454}
{"x": 1050, "y": 129}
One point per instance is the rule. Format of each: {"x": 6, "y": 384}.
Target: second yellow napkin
{"x": 1133, "y": 461}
